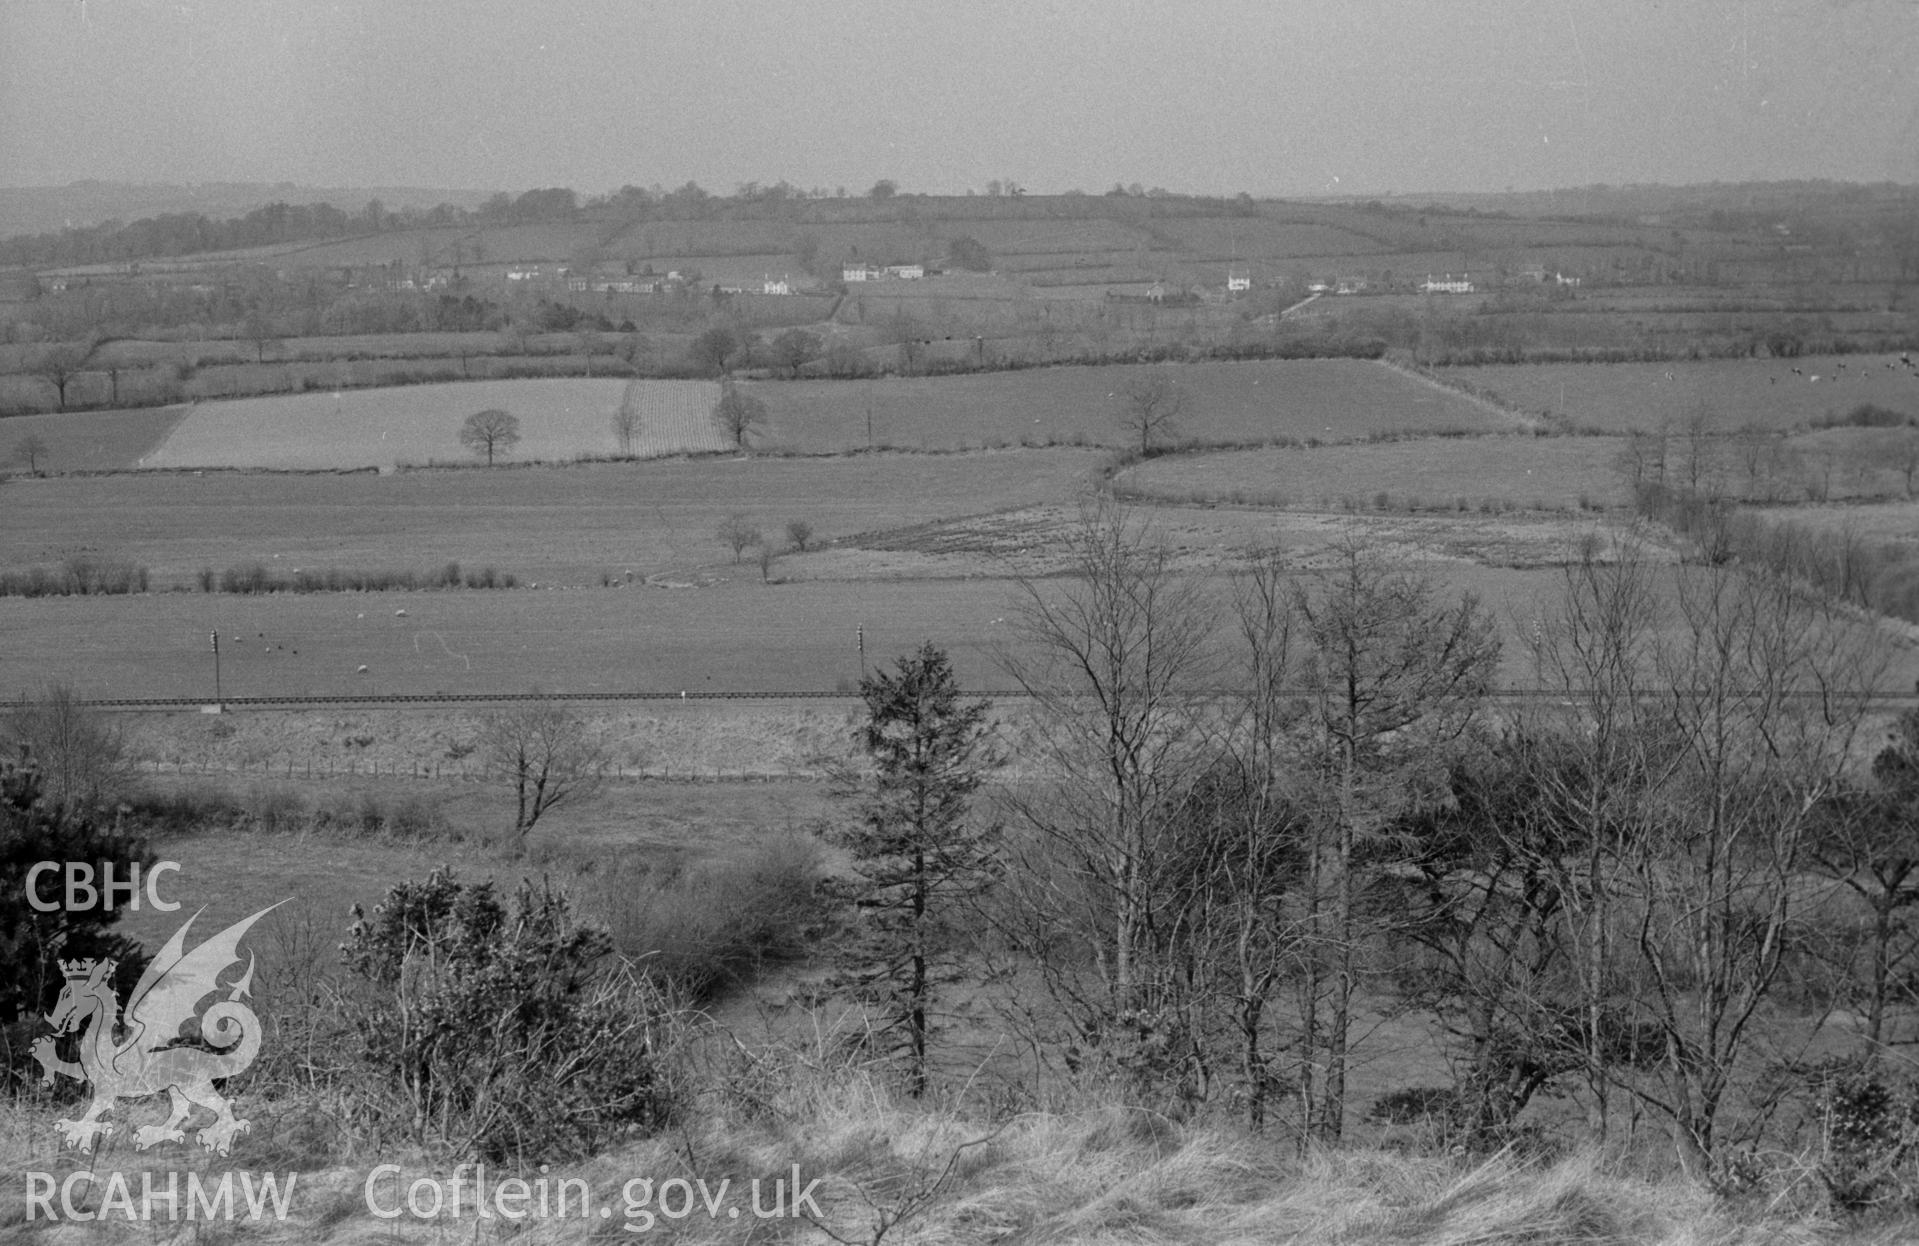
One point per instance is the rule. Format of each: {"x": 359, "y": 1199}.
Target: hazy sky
{"x": 1267, "y": 96}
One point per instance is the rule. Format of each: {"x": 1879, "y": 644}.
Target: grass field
{"x": 559, "y": 420}
{"x": 1461, "y": 474}
{"x": 565, "y": 525}
{"x": 1893, "y": 521}
{"x": 92, "y": 441}
{"x": 1733, "y": 392}
{"x": 1328, "y": 400}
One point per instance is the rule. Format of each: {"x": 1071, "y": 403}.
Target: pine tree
{"x": 919, "y": 852}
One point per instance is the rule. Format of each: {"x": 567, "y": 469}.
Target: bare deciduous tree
{"x": 739, "y": 415}
{"x": 486, "y": 432}
{"x": 59, "y": 364}
{"x": 799, "y": 534}
{"x": 1394, "y": 676}
{"x": 1109, "y": 658}
{"x": 739, "y": 534}
{"x": 1762, "y": 690}
{"x": 30, "y": 449}
{"x": 82, "y": 755}
{"x": 544, "y": 750}
{"x": 626, "y": 420}
{"x": 1150, "y": 407}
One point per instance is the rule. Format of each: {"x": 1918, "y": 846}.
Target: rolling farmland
{"x": 562, "y": 524}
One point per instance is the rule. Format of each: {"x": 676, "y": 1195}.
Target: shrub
{"x": 81, "y": 754}
{"x": 701, "y": 929}
{"x": 32, "y": 830}
{"x": 497, "y": 1032}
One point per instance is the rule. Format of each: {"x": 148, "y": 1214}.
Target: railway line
{"x": 1509, "y": 696}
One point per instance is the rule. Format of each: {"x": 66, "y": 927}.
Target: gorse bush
{"x": 497, "y": 1030}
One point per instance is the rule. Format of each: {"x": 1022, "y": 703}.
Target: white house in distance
{"x": 1449, "y": 284}
{"x": 859, "y": 272}
{"x": 770, "y": 286}
{"x": 1238, "y": 280}
{"x": 906, "y": 272}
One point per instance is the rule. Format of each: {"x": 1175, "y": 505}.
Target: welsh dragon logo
{"x": 149, "y": 1059}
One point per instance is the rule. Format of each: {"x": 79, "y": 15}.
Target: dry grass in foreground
{"x": 888, "y": 1171}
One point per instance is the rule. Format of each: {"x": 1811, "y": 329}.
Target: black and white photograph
{"x": 890, "y": 623}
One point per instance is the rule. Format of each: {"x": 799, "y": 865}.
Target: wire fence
{"x": 457, "y": 770}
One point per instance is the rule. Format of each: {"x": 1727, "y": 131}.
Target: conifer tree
{"x": 919, "y": 850}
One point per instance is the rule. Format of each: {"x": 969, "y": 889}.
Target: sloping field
{"x": 1322, "y": 399}
{"x": 1443, "y": 473}
{"x": 1776, "y": 393}
{"x": 91, "y": 441}
{"x": 563, "y": 525}
{"x": 387, "y": 428}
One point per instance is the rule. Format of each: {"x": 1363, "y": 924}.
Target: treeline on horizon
{"x": 177, "y": 234}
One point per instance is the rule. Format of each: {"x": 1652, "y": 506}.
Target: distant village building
{"x": 770, "y": 286}
{"x": 906, "y": 272}
{"x": 1449, "y": 284}
{"x": 1317, "y": 287}
{"x": 1238, "y": 280}
{"x": 1350, "y": 285}
{"x": 859, "y": 272}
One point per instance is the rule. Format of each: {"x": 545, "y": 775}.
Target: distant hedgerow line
{"x": 79, "y": 576}
{"x": 254, "y": 577}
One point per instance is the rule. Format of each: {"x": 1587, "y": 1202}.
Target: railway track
{"x": 1510, "y": 696}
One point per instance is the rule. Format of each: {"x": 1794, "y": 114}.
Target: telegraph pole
{"x": 214, "y": 637}
{"x": 860, "y": 632}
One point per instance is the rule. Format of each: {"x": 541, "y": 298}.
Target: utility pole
{"x": 214, "y": 637}
{"x": 860, "y": 632}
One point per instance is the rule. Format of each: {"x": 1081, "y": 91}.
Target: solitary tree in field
{"x": 58, "y": 365}
{"x": 30, "y": 449}
{"x": 1149, "y": 407}
{"x": 918, "y": 852}
{"x": 799, "y": 534}
{"x": 543, "y": 750}
{"x": 739, "y": 534}
{"x": 626, "y": 421}
{"x": 738, "y": 415}
{"x": 489, "y": 431}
